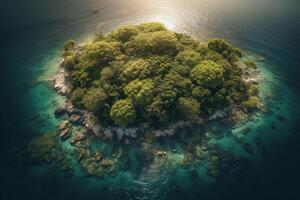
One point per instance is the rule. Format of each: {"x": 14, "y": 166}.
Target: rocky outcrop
{"x": 217, "y": 115}
{"x": 60, "y": 83}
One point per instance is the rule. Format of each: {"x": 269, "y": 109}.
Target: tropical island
{"x": 139, "y": 83}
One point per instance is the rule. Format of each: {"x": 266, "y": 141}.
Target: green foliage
{"x": 77, "y": 96}
{"x": 189, "y": 57}
{"x": 189, "y": 107}
{"x": 107, "y": 74}
{"x": 208, "y": 74}
{"x": 100, "y": 52}
{"x": 94, "y": 99}
{"x": 201, "y": 94}
{"x": 146, "y": 73}
{"x": 135, "y": 69}
{"x": 251, "y": 103}
{"x": 151, "y": 27}
{"x": 124, "y": 33}
{"x": 69, "y": 45}
{"x": 123, "y": 112}
{"x": 140, "y": 92}
{"x": 146, "y": 43}
{"x": 224, "y": 48}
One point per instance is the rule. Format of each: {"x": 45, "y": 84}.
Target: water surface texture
{"x": 32, "y": 34}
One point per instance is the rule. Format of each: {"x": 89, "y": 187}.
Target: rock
{"x": 120, "y": 134}
{"x": 65, "y": 124}
{"x": 60, "y": 83}
{"x": 217, "y": 115}
{"x": 97, "y": 157}
{"x": 80, "y": 157}
{"x": 108, "y": 134}
{"x": 200, "y": 121}
{"x": 132, "y": 132}
{"x": 65, "y": 133}
{"x": 78, "y": 137}
{"x": 126, "y": 141}
{"x": 75, "y": 118}
{"x": 199, "y": 153}
{"x": 161, "y": 153}
{"x": 106, "y": 163}
{"x": 251, "y": 81}
{"x": 69, "y": 107}
{"x": 59, "y": 111}
{"x": 248, "y": 148}
{"x": 281, "y": 118}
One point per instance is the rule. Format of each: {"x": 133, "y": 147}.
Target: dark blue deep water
{"x": 32, "y": 33}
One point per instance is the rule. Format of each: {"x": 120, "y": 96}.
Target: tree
{"x": 179, "y": 84}
{"x": 251, "y": 103}
{"x": 107, "y": 74}
{"x": 140, "y": 91}
{"x": 123, "y": 112}
{"x": 94, "y": 99}
{"x": 189, "y": 57}
{"x": 160, "y": 42}
{"x": 188, "y": 107}
{"x": 224, "y": 48}
{"x": 201, "y": 94}
{"x": 134, "y": 69}
{"x": 157, "y": 111}
{"x": 77, "y": 96}
{"x": 207, "y": 74}
{"x": 151, "y": 27}
{"x": 100, "y": 52}
{"x": 124, "y": 33}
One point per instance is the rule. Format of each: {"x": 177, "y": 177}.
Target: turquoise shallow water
{"x": 32, "y": 35}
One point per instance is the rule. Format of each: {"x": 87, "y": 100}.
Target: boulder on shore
{"x": 60, "y": 82}
{"x": 65, "y": 133}
{"x": 65, "y": 124}
{"x": 75, "y": 118}
{"x": 78, "y": 137}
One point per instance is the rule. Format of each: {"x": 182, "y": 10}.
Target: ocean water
{"x": 31, "y": 37}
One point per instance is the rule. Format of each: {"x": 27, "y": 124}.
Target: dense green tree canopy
{"x": 208, "y": 74}
{"x": 123, "y": 112}
{"x": 146, "y": 73}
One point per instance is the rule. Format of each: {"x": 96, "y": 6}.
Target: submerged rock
{"x": 120, "y": 133}
{"x": 59, "y": 111}
{"x": 78, "y": 137}
{"x": 106, "y": 163}
{"x": 161, "y": 153}
{"x": 217, "y": 115}
{"x": 97, "y": 157}
{"x": 126, "y": 141}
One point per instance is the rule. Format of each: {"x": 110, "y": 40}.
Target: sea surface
{"x": 32, "y": 34}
